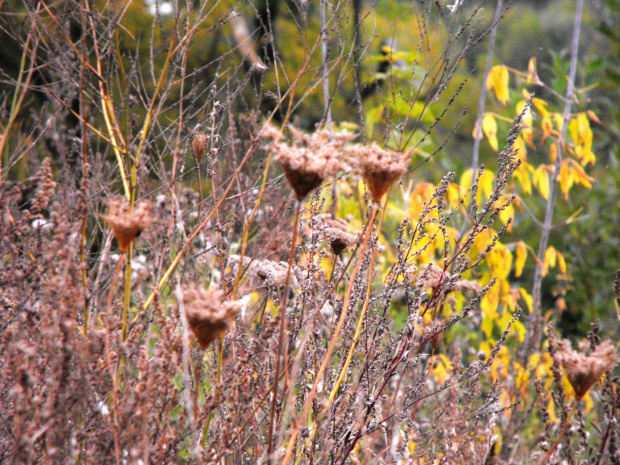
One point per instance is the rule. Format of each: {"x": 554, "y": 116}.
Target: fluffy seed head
{"x": 310, "y": 160}
{"x": 199, "y": 145}
{"x": 335, "y": 232}
{"x": 208, "y": 313}
{"x": 584, "y": 371}
{"x": 126, "y": 224}
{"x": 380, "y": 168}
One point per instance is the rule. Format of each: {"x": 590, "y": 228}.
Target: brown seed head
{"x": 200, "y": 145}
{"x": 270, "y": 272}
{"x": 126, "y": 224}
{"x": 380, "y": 168}
{"x": 310, "y": 160}
{"x": 208, "y": 313}
{"x": 584, "y": 371}
{"x": 432, "y": 277}
{"x": 335, "y": 232}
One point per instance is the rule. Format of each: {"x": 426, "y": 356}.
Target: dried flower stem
{"x": 246, "y": 232}
{"x": 281, "y": 335}
{"x": 557, "y": 442}
{"x": 127, "y": 292}
{"x": 362, "y": 315}
{"x": 334, "y": 339}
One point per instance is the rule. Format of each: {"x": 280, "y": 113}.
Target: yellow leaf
{"x": 507, "y": 213}
{"x": 541, "y": 181}
{"x": 521, "y": 257}
{"x": 561, "y": 263}
{"x": 489, "y": 126}
{"x": 541, "y": 106}
{"x": 520, "y": 149}
{"x": 532, "y": 74}
{"x": 581, "y": 177}
{"x": 527, "y": 297}
{"x": 498, "y": 81}
{"x": 487, "y": 326}
{"x": 553, "y": 152}
{"x": 566, "y": 178}
{"x": 550, "y": 259}
{"x": 526, "y": 130}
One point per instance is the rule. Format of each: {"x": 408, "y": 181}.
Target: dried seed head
{"x": 310, "y": 160}
{"x": 200, "y": 145}
{"x": 380, "y": 168}
{"x": 335, "y": 232}
{"x": 126, "y": 224}
{"x": 270, "y": 272}
{"x": 583, "y": 371}
{"x": 208, "y": 313}
{"x": 432, "y": 277}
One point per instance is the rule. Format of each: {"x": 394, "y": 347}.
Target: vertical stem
{"x": 334, "y": 339}
{"x": 127, "y": 292}
{"x": 475, "y": 159}
{"x": 536, "y": 317}
{"x": 324, "y": 71}
{"x": 281, "y": 336}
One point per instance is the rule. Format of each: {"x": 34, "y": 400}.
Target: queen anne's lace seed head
{"x": 583, "y": 371}
{"x": 127, "y": 224}
{"x": 310, "y": 160}
{"x": 200, "y": 143}
{"x": 335, "y": 232}
{"x": 380, "y": 168}
{"x": 208, "y": 312}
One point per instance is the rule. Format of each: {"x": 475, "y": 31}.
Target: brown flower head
{"x": 310, "y": 160}
{"x": 200, "y": 143}
{"x": 271, "y": 273}
{"x": 335, "y": 232}
{"x": 585, "y": 370}
{"x": 432, "y": 277}
{"x": 208, "y": 313}
{"x": 380, "y": 168}
{"x": 127, "y": 224}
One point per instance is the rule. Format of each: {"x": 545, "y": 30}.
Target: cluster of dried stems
{"x": 223, "y": 330}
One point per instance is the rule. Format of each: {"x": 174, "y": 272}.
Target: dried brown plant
{"x": 379, "y": 167}
{"x": 582, "y": 370}
{"x": 128, "y": 223}
{"x": 200, "y": 145}
{"x": 335, "y": 232}
{"x": 434, "y": 276}
{"x": 208, "y": 312}
{"x": 310, "y": 160}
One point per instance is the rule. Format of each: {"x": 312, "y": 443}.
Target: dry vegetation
{"x": 174, "y": 293}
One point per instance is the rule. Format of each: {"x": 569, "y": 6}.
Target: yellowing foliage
{"x": 499, "y": 80}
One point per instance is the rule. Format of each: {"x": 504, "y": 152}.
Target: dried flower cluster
{"x": 270, "y": 272}
{"x": 208, "y": 312}
{"x": 433, "y": 276}
{"x": 310, "y": 160}
{"x": 200, "y": 145}
{"x": 582, "y": 370}
{"x": 335, "y": 232}
{"x": 380, "y": 168}
{"x": 127, "y": 224}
